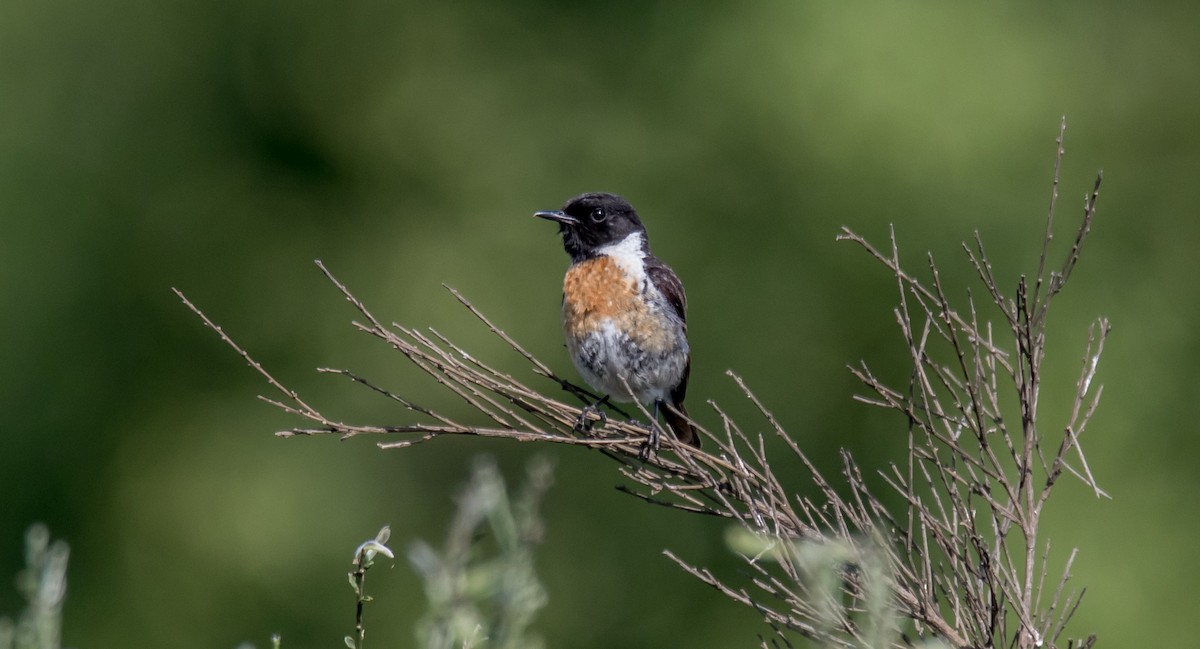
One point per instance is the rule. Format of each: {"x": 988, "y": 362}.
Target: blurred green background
{"x": 220, "y": 147}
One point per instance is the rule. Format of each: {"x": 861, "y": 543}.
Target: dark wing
{"x": 671, "y": 288}
{"x": 680, "y": 391}
{"x": 668, "y": 284}
{"x": 677, "y": 416}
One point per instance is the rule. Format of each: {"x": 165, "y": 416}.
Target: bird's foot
{"x": 650, "y": 446}
{"x": 590, "y": 417}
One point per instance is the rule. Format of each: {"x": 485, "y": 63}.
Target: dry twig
{"x": 963, "y": 562}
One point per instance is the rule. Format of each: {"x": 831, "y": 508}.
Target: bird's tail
{"x": 677, "y": 420}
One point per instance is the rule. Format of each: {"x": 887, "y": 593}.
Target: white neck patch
{"x": 628, "y": 255}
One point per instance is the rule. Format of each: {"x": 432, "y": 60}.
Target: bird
{"x": 624, "y": 311}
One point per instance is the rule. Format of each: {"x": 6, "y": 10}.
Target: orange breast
{"x": 599, "y": 295}
{"x": 596, "y": 290}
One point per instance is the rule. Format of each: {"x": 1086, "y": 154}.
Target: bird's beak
{"x": 558, "y": 216}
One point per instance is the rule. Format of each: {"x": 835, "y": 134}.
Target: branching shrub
{"x": 961, "y": 564}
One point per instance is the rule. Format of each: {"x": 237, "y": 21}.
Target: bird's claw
{"x": 650, "y": 446}
{"x": 585, "y": 422}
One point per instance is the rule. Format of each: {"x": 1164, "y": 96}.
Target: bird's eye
{"x": 598, "y": 215}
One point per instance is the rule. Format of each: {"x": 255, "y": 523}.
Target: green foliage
{"x": 479, "y": 598}
{"x": 824, "y": 567}
{"x": 43, "y": 586}
{"x": 482, "y": 588}
{"x": 364, "y": 558}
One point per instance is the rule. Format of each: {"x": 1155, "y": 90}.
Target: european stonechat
{"x": 624, "y": 312}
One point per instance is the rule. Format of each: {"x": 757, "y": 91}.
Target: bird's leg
{"x": 652, "y": 440}
{"x": 584, "y": 423}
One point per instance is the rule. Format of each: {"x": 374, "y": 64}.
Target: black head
{"x": 591, "y": 221}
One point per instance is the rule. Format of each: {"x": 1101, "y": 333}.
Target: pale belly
{"x": 619, "y": 365}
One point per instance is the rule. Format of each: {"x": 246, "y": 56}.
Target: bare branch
{"x": 960, "y": 559}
